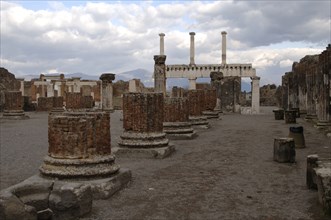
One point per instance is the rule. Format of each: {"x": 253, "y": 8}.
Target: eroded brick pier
{"x": 13, "y": 108}
{"x": 143, "y": 134}
{"x": 176, "y": 119}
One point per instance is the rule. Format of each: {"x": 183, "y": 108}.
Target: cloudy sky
{"x": 94, "y": 37}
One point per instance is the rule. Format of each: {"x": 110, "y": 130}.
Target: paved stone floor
{"x": 227, "y": 172}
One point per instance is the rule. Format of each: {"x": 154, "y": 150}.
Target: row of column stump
{"x": 318, "y": 174}
{"x": 80, "y": 165}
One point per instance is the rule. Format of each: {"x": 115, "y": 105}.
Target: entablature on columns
{"x": 203, "y": 70}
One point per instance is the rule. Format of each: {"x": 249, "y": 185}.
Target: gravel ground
{"x": 227, "y": 172}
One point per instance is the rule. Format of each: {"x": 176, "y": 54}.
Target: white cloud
{"x": 97, "y": 37}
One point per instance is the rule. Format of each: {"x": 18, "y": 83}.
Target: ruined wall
{"x": 49, "y": 103}
{"x": 143, "y": 112}
{"x": 307, "y": 86}
{"x": 176, "y": 109}
{"x": 8, "y": 82}
{"x": 268, "y": 95}
{"x": 177, "y": 92}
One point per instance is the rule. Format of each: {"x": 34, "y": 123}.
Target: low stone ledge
{"x": 40, "y": 197}
{"x": 149, "y": 153}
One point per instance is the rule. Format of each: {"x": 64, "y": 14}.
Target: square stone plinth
{"x": 149, "y": 153}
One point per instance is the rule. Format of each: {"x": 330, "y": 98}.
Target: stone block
{"x": 324, "y": 187}
{"x": 284, "y": 150}
{"x": 70, "y": 200}
{"x": 11, "y": 208}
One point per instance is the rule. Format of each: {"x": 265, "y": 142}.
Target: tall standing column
{"x": 255, "y": 95}
{"x": 192, "y": 83}
{"x": 160, "y": 74}
{"x": 224, "y": 47}
{"x": 107, "y": 91}
{"x": 161, "y": 43}
{"x": 192, "y": 49}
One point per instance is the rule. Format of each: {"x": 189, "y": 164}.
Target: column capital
{"x": 160, "y": 59}
{"x": 192, "y": 33}
{"x": 107, "y": 77}
{"x": 161, "y": 34}
{"x": 223, "y": 33}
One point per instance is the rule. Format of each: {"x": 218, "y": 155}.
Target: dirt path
{"x": 225, "y": 173}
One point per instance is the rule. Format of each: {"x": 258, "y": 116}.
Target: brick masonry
{"x": 13, "y": 101}
{"x": 79, "y": 135}
{"x": 142, "y": 112}
{"x": 176, "y": 110}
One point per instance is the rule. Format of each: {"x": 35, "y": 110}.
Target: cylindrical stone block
{"x": 13, "y": 101}
{"x": 297, "y": 134}
{"x": 79, "y": 145}
{"x": 284, "y": 150}
{"x": 279, "y": 114}
{"x": 290, "y": 117}
{"x": 176, "y": 110}
{"x": 143, "y": 112}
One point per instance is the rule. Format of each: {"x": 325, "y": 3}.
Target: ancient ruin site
{"x": 159, "y": 110}
{"x": 96, "y": 149}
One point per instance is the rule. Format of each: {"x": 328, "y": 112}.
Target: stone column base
{"x": 199, "y": 121}
{"x": 179, "y": 130}
{"x": 144, "y": 145}
{"x": 211, "y": 114}
{"x": 14, "y": 114}
{"x": 40, "y": 197}
{"x": 323, "y": 124}
{"x": 79, "y": 168}
{"x": 310, "y": 117}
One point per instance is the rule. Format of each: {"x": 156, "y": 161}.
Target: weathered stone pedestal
{"x": 279, "y": 114}
{"x": 319, "y": 177}
{"x": 196, "y": 103}
{"x": 284, "y": 150}
{"x": 297, "y": 134}
{"x": 290, "y": 117}
{"x": 79, "y": 168}
{"x": 13, "y": 108}
{"x": 176, "y": 119}
{"x": 143, "y": 135}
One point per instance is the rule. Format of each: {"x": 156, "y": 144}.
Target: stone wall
{"x": 268, "y": 95}
{"x": 307, "y": 86}
{"x": 176, "y": 109}
{"x": 177, "y": 92}
{"x": 142, "y": 112}
{"x": 8, "y": 82}
{"x": 77, "y": 101}
{"x": 49, "y": 103}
